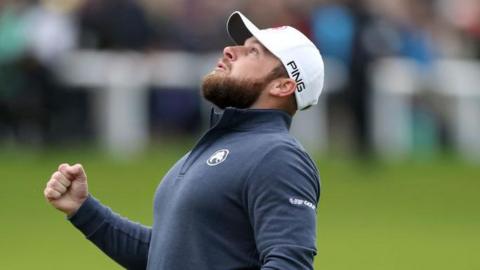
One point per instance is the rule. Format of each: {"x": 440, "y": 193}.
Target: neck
{"x": 272, "y": 104}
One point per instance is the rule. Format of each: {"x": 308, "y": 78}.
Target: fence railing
{"x": 120, "y": 82}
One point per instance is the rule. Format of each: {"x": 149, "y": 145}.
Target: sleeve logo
{"x": 300, "y": 202}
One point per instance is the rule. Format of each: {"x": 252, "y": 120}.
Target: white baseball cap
{"x": 298, "y": 54}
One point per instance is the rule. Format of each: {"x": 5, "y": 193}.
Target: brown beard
{"x": 224, "y": 91}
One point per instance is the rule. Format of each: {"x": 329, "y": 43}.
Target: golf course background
{"x": 407, "y": 215}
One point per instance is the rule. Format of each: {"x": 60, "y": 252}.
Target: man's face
{"x": 240, "y": 76}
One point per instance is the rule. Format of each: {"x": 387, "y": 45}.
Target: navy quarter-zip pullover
{"x": 243, "y": 198}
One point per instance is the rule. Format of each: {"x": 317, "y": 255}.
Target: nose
{"x": 229, "y": 53}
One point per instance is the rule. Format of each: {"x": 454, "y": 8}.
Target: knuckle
{"x": 63, "y": 170}
{"x": 63, "y": 178}
{"x": 48, "y": 192}
{"x": 78, "y": 166}
{"x": 54, "y": 188}
{"x": 63, "y": 165}
{"x": 58, "y": 188}
{"x": 57, "y": 175}
{"x": 65, "y": 183}
{"x": 54, "y": 194}
{"x": 51, "y": 183}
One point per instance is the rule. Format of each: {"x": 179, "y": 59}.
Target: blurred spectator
{"x": 417, "y": 32}
{"x": 33, "y": 107}
{"x": 356, "y": 33}
{"x": 13, "y": 39}
{"x": 51, "y": 29}
{"x": 114, "y": 24}
{"x": 340, "y": 29}
{"x": 13, "y": 44}
{"x": 462, "y": 19}
{"x": 351, "y": 34}
{"x": 281, "y": 12}
{"x": 191, "y": 25}
{"x": 334, "y": 27}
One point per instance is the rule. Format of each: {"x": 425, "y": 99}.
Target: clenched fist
{"x": 67, "y": 189}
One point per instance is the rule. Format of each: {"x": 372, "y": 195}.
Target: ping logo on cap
{"x": 295, "y": 74}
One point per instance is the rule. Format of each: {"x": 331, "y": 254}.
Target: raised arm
{"x": 124, "y": 241}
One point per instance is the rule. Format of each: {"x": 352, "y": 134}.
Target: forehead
{"x": 253, "y": 41}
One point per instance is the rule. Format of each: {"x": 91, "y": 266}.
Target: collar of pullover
{"x": 245, "y": 119}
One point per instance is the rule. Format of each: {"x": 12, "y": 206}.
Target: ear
{"x": 283, "y": 87}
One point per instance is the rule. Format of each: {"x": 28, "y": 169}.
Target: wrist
{"x": 71, "y": 212}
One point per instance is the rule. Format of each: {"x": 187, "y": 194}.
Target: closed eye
{"x": 254, "y": 50}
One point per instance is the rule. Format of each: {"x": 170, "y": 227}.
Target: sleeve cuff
{"x": 90, "y": 216}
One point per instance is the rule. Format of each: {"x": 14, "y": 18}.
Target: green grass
{"x": 373, "y": 215}
{"x": 399, "y": 216}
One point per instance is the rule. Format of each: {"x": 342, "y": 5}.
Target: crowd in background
{"x": 34, "y": 33}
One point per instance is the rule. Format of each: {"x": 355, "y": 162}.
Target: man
{"x": 245, "y": 196}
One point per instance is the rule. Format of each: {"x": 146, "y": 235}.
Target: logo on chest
{"x": 217, "y": 157}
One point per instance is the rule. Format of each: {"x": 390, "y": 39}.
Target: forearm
{"x": 124, "y": 241}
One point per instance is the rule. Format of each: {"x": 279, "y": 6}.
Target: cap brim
{"x": 240, "y": 28}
